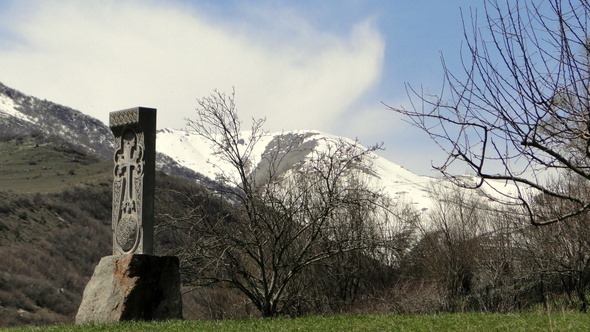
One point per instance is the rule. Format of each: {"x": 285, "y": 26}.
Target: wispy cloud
{"x": 100, "y": 56}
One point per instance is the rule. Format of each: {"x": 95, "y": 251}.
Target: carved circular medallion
{"x": 127, "y": 232}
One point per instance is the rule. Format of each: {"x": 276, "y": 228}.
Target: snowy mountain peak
{"x": 193, "y": 152}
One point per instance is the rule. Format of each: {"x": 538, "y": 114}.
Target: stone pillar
{"x": 132, "y": 284}
{"x": 134, "y": 180}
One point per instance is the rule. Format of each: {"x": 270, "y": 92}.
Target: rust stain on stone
{"x": 121, "y": 274}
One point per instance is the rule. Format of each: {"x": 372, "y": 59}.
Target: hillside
{"x": 36, "y": 164}
{"x": 55, "y": 225}
{"x": 21, "y": 114}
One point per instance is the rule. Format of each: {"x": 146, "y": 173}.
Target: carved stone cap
{"x": 127, "y": 117}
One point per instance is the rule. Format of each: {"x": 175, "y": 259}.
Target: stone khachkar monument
{"x": 133, "y": 284}
{"x": 134, "y": 180}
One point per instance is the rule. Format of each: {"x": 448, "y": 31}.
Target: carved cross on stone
{"x": 133, "y": 284}
{"x": 134, "y": 180}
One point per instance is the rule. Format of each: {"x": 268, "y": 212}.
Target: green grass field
{"x": 567, "y": 321}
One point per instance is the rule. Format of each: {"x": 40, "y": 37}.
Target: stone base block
{"x": 132, "y": 287}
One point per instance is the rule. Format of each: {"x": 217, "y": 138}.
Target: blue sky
{"x": 325, "y": 65}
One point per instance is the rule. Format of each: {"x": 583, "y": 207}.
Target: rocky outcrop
{"x": 132, "y": 287}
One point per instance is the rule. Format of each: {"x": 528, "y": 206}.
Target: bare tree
{"x": 455, "y": 227}
{"x": 519, "y": 109}
{"x": 287, "y": 216}
{"x": 559, "y": 254}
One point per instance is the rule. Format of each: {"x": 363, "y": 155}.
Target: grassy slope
{"x": 446, "y": 322}
{"x": 35, "y": 165}
{"x": 54, "y": 227}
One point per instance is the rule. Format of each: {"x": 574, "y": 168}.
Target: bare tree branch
{"x": 520, "y": 108}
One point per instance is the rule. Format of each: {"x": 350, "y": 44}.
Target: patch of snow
{"x": 8, "y": 108}
{"x": 191, "y": 151}
{"x": 401, "y": 184}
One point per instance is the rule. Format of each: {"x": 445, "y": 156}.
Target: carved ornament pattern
{"x": 124, "y": 117}
{"x": 127, "y": 191}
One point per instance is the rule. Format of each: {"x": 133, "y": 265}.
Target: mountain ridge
{"x": 193, "y": 152}
{"x": 23, "y": 114}
{"x": 185, "y": 153}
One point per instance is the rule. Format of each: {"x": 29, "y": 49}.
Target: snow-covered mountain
{"x": 187, "y": 154}
{"x": 22, "y": 114}
{"x": 193, "y": 152}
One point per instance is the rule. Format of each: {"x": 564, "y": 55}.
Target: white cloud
{"x": 101, "y": 56}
